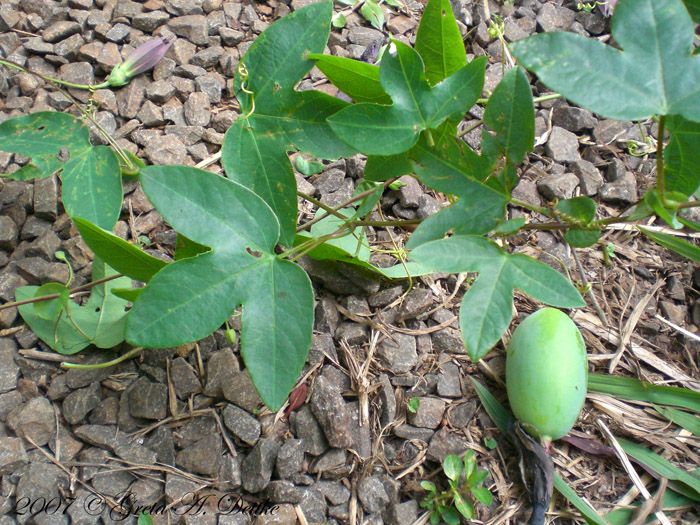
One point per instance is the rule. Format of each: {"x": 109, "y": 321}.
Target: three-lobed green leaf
{"x": 70, "y": 329}
{"x": 439, "y": 41}
{"x": 92, "y": 184}
{"x": 655, "y": 73}
{"x": 386, "y": 130}
{"x": 191, "y": 297}
{"x": 118, "y": 253}
{"x": 486, "y": 308}
{"x": 279, "y": 118}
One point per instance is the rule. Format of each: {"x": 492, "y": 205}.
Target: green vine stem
{"x": 9, "y": 63}
{"x": 660, "y": 170}
{"x": 335, "y": 209}
{"x": 131, "y": 353}
{"x": 48, "y": 297}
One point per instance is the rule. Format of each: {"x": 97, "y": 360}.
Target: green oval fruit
{"x": 547, "y": 373}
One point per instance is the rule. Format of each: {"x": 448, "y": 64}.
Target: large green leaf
{"x": 673, "y": 243}
{"x": 385, "y": 167}
{"x": 509, "y": 119}
{"x": 190, "y": 298}
{"x": 255, "y": 149}
{"x": 682, "y": 155}
{"x": 119, "y": 254}
{"x": 387, "y": 130}
{"x": 99, "y": 322}
{"x": 487, "y": 307}
{"x": 693, "y": 7}
{"x": 44, "y": 134}
{"x": 654, "y": 74}
{"x": 92, "y": 185}
{"x": 450, "y": 166}
{"x": 439, "y": 42}
{"x": 358, "y": 80}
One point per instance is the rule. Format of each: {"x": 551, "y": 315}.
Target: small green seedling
{"x": 465, "y": 482}
{"x": 413, "y": 404}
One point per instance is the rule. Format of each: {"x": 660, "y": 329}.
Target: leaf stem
{"x": 131, "y": 353}
{"x": 531, "y": 207}
{"x": 660, "y": 170}
{"x": 340, "y": 206}
{"x": 543, "y": 98}
{"x": 55, "y": 295}
{"x": 329, "y": 209}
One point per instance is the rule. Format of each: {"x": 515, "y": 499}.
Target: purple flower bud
{"x": 607, "y": 8}
{"x": 143, "y": 58}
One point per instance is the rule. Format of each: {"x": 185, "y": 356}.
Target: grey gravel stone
{"x": 41, "y": 480}
{"x": 290, "y": 458}
{"x": 387, "y": 399}
{"x": 444, "y": 443}
{"x": 9, "y": 370}
{"x": 8, "y": 234}
{"x": 60, "y": 30}
{"x": 616, "y": 170}
{"x": 372, "y": 494}
{"x": 198, "y": 110}
{"x": 118, "y": 33}
{"x": 166, "y": 150}
{"x": 202, "y": 457}
{"x": 309, "y": 431}
{"x": 162, "y": 443}
{"x": 12, "y": 455}
{"x": 244, "y": 426}
{"x": 184, "y": 378}
{"x": 558, "y": 186}
{"x": 192, "y": 27}
{"x": 208, "y": 57}
{"x": 607, "y": 131}
{"x": 148, "y": 400}
{"x": 417, "y": 301}
{"x": 562, "y": 145}
{"x": 572, "y": 118}
{"x": 331, "y": 413}
{"x": 80, "y": 402}
{"x": 459, "y": 416}
{"x": 241, "y": 391}
{"x": 148, "y": 22}
{"x": 35, "y": 420}
{"x": 449, "y": 383}
{"x": 623, "y": 190}
{"x": 590, "y": 179}
{"x": 428, "y": 414}
{"x": 46, "y": 198}
{"x": 398, "y": 354}
{"x": 427, "y": 206}
{"x": 160, "y": 91}
{"x": 329, "y": 461}
{"x": 256, "y": 469}
{"x": 221, "y": 367}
